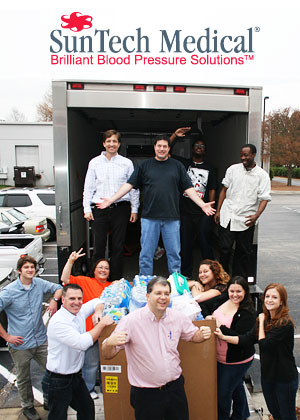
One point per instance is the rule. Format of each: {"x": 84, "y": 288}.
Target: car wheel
{"x": 52, "y": 229}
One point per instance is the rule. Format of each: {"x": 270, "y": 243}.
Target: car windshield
{"x": 47, "y": 199}
{"x": 18, "y": 215}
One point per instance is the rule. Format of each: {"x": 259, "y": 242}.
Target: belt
{"x": 60, "y": 375}
{"x": 120, "y": 203}
{"x": 168, "y": 384}
{"x": 113, "y": 205}
{"x": 161, "y": 388}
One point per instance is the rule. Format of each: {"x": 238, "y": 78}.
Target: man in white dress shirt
{"x": 67, "y": 343}
{"x": 105, "y": 175}
{"x": 243, "y": 198}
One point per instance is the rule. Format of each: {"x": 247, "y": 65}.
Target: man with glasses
{"x": 193, "y": 221}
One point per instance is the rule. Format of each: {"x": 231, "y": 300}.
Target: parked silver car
{"x": 32, "y": 225}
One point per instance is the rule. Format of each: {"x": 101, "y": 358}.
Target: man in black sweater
{"x": 163, "y": 180}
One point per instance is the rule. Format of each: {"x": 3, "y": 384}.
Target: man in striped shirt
{"x": 105, "y": 175}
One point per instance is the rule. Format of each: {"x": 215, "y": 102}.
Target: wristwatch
{"x": 55, "y": 298}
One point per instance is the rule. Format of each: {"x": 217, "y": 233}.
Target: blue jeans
{"x": 170, "y": 231}
{"x": 91, "y": 366}
{"x": 65, "y": 391}
{"x": 280, "y": 398}
{"x": 231, "y": 389}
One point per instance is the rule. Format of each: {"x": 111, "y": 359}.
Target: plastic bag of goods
{"x": 187, "y": 305}
{"x": 117, "y": 295}
{"x": 139, "y": 291}
{"x": 179, "y": 284}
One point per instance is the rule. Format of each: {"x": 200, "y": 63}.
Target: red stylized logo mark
{"x": 76, "y": 21}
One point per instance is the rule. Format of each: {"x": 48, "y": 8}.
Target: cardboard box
{"x": 199, "y": 367}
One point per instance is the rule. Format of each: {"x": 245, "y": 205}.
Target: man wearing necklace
{"x": 193, "y": 221}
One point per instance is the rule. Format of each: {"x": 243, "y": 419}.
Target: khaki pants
{"x": 22, "y": 359}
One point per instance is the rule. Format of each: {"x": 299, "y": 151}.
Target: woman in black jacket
{"x": 275, "y": 336}
{"x": 235, "y": 316}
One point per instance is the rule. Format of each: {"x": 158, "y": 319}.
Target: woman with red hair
{"x": 275, "y": 336}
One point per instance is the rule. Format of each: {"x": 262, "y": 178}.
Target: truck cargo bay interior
{"x": 227, "y": 121}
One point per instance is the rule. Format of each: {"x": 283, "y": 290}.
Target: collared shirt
{"x": 245, "y": 190}
{"x": 68, "y": 339}
{"x": 23, "y": 308}
{"x": 104, "y": 177}
{"x": 151, "y": 347}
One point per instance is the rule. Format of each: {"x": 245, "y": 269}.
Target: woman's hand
{"x": 219, "y": 334}
{"x": 261, "y": 318}
{"x": 75, "y": 255}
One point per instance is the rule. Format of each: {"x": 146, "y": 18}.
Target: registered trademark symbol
{"x": 257, "y": 29}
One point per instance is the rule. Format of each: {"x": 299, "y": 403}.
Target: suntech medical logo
{"x": 76, "y": 21}
{"x": 205, "y": 46}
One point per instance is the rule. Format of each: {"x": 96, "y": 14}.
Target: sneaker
{"x": 31, "y": 413}
{"x": 94, "y": 395}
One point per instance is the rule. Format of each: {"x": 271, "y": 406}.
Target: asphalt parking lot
{"x": 278, "y": 261}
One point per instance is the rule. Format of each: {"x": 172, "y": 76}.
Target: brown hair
{"x": 158, "y": 280}
{"x": 72, "y": 286}
{"x": 219, "y": 273}
{"x": 24, "y": 260}
{"x": 282, "y": 316}
{"x": 108, "y": 133}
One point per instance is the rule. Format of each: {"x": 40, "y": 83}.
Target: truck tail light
{"x": 39, "y": 228}
{"x": 77, "y": 86}
{"x": 179, "y": 89}
{"x": 160, "y": 88}
{"x": 23, "y": 255}
{"x": 140, "y": 87}
{"x": 240, "y": 92}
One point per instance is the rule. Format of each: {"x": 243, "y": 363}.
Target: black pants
{"x": 114, "y": 219}
{"x": 65, "y": 391}
{"x": 192, "y": 225}
{"x": 243, "y": 256}
{"x": 169, "y": 403}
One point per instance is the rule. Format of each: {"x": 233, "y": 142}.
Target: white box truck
{"x": 228, "y": 116}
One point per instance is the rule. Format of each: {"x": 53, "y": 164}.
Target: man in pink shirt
{"x": 150, "y": 337}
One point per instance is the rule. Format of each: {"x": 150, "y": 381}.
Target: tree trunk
{"x": 289, "y": 180}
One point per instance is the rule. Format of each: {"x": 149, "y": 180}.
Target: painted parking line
{"x": 290, "y": 209}
{"x": 256, "y": 356}
{"x": 10, "y": 377}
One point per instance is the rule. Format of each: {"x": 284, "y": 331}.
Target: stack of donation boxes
{"x": 120, "y": 297}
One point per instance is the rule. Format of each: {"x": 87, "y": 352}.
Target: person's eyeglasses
{"x": 199, "y": 146}
{"x": 102, "y": 268}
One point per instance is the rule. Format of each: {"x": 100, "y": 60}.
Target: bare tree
{"x": 16, "y": 115}
{"x": 283, "y": 136}
{"x": 44, "y": 109}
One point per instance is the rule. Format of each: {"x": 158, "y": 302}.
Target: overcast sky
{"x": 26, "y": 72}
